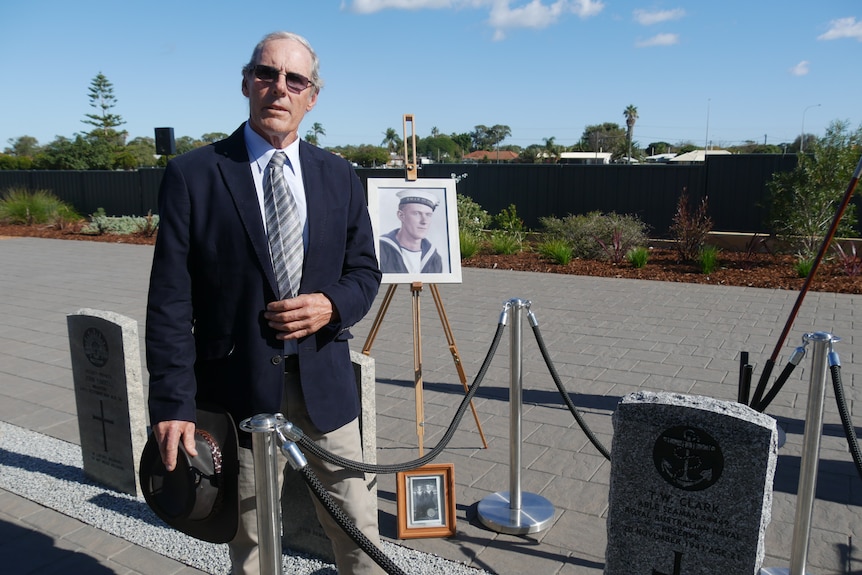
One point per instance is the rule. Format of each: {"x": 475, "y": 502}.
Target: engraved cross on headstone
{"x": 104, "y": 420}
{"x": 677, "y": 563}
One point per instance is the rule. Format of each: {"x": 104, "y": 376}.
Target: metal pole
{"x": 822, "y": 343}
{"x": 515, "y": 406}
{"x": 514, "y": 511}
{"x": 263, "y": 428}
{"x": 810, "y": 450}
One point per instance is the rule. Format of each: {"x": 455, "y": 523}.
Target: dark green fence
{"x": 735, "y": 186}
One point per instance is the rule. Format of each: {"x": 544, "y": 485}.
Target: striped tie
{"x": 283, "y": 228}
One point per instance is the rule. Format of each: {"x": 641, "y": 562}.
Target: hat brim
{"x": 170, "y": 494}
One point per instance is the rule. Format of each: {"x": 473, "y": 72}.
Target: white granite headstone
{"x": 301, "y": 531}
{"x": 109, "y": 396}
{"x": 691, "y": 486}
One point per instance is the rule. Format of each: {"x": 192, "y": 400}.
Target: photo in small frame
{"x": 415, "y": 226}
{"x": 426, "y": 501}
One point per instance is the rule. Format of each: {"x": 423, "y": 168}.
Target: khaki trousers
{"x": 347, "y": 487}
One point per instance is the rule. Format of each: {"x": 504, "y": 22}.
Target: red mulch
{"x": 762, "y": 270}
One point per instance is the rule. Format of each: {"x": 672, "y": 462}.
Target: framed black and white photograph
{"x": 415, "y": 229}
{"x": 426, "y": 501}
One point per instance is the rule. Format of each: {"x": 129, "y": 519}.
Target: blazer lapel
{"x": 234, "y": 166}
{"x": 316, "y": 201}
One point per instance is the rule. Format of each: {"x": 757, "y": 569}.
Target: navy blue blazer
{"x": 206, "y": 338}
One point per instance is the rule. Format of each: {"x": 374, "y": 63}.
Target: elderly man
{"x": 264, "y": 260}
{"x": 406, "y": 249}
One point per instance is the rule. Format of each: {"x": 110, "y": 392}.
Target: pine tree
{"x": 102, "y": 98}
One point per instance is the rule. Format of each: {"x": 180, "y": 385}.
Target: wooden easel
{"x": 416, "y": 289}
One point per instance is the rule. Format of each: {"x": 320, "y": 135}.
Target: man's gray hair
{"x": 316, "y": 80}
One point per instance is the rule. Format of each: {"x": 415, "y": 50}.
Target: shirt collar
{"x": 261, "y": 151}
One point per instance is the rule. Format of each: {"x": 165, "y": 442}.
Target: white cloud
{"x": 502, "y": 15}
{"x": 658, "y": 40}
{"x": 371, "y": 6}
{"x": 843, "y": 28}
{"x": 647, "y": 18}
{"x": 801, "y": 69}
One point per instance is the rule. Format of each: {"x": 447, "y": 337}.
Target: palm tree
{"x": 391, "y": 140}
{"x": 317, "y": 130}
{"x": 550, "y": 149}
{"x": 312, "y": 136}
{"x": 631, "y": 114}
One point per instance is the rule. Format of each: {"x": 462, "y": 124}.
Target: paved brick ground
{"x": 607, "y": 337}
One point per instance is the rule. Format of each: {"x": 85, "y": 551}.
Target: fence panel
{"x": 735, "y": 186}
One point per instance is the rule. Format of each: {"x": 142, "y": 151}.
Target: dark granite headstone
{"x": 691, "y": 486}
{"x": 109, "y": 396}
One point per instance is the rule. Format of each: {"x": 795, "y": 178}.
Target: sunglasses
{"x": 296, "y": 83}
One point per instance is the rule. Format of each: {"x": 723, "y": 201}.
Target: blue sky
{"x": 726, "y": 71}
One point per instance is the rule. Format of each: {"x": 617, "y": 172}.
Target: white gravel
{"x": 50, "y": 472}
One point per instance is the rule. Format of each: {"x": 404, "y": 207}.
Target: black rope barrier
{"x": 849, "y": 430}
{"x": 325, "y": 455}
{"x": 347, "y": 524}
{"x": 564, "y": 394}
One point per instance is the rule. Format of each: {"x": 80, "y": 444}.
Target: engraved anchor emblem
{"x": 688, "y": 458}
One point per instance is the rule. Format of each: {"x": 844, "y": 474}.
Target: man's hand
{"x": 168, "y": 435}
{"x": 300, "y": 316}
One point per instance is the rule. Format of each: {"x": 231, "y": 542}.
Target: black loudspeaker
{"x": 165, "y": 144}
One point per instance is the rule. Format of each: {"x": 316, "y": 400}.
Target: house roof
{"x": 698, "y": 155}
{"x": 492, "y": 155}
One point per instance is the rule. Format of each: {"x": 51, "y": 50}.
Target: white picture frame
{"x": 442, "y": 232}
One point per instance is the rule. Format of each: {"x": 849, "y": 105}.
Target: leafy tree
{"x": 464, "y": 142}
{"x": 685, "y": 147}
{"x": 750, "y": 147}
{"x": 530, "y": 154}
{"x": 365, "y": 155}
{"x": 602, "y": 137}
{"x": 22, "y": 146}
{"x": 631, "y": 114}
{"x": 391, "y": 140}
{"x": 187, "y": 144}
{"x": 485, "y": 138}
{"x": 143, "y": 151}
{"x": 85, "y": 152}
{"x": 10, "y": 162}
{"x": 654, "y": 148}
{"x": 213, "y": 137}
{"x": 804, "y": 202}
{"x": 102, "y": 98}
{"x": 438, "y": 148}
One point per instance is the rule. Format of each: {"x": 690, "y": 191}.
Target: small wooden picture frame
{"x": 426, "y": 501}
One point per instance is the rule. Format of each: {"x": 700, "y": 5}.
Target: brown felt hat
{"x": 200, "y": 496}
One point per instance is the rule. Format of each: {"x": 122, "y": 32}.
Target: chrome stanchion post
{"x": 822, "y": 343}
{"x": 514, "y": 511}
{"x": 263, "y": 429}
{"x": 810, "y": 450}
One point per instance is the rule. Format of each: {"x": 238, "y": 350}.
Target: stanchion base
{"x": 536, "y": 513}
{"x": 776, "y": 571}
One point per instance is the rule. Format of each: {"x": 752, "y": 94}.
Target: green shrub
{"x": 558, "y": 251}
{"x": 638, "y": 256}
{"x": 595, "y": 235}
{"x": 471, "y": 217}
{"x": 21, "y": 206}
{"x": 469, "y": 244}
{"x": 504, "y": 243}
{"x": 508, "y": 220}
{"x": 708, "y": 259}
{"x": 803, "y": 266}
{"x": 101, "y": 224}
